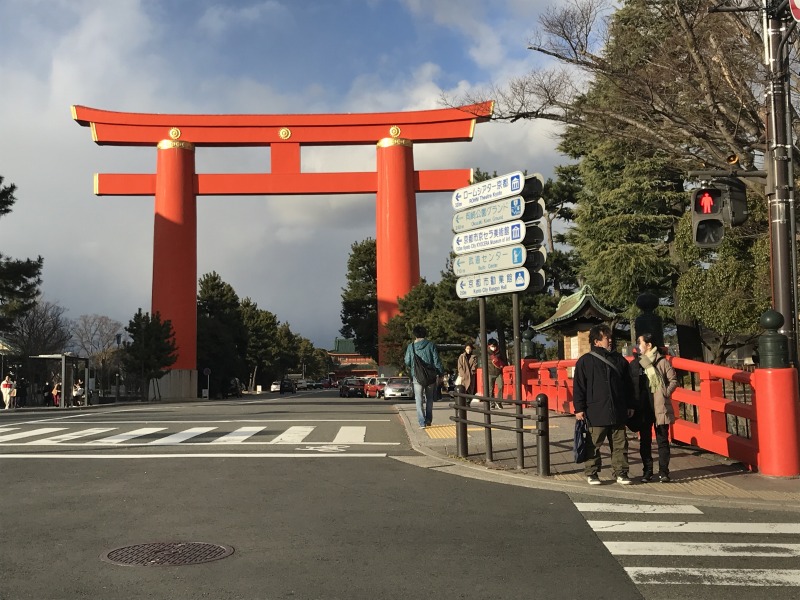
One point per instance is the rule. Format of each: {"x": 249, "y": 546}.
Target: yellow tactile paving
{"x": 445, "y": 431}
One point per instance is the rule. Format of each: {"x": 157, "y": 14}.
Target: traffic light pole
{"x": 780, "y": 187}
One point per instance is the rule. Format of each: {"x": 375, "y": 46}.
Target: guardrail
{"x": 462, "y": 405}
{"x": 717, "y": 408}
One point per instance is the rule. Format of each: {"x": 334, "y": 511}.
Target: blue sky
{"x": 288, "y": 254}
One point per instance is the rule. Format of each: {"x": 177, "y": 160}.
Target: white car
{"x": 398, "y": 387}
{"x": 302, "y": 384}
{"x": 275, "y": 387}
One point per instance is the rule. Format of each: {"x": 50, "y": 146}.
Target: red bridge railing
{"x": 717, "y": 408}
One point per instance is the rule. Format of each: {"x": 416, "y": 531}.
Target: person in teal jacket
{"x": 427, "y": 351}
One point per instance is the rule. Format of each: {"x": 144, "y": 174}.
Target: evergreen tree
{"x": 152, "y": 349}
{"x": 360, "y": 299}
{"x": 221, "y": 335}
{"x": 19, "y": 279}
{"x": 262, "y": 333}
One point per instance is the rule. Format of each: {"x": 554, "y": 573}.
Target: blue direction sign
{"x": 497, "y": 282}
{"x": 490, "y": 260}
{"x": 492, "y": 213}
{"x": 489, "y": 190}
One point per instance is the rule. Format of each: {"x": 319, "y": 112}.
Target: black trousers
{"x": 646, "y": 448}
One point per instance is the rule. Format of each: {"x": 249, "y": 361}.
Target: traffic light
{"x": 723, "y": 203}
{"x": 534, "y": 236}
{"x": 708, "y": 225}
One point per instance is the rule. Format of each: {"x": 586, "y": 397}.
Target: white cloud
{"x": 220, "y": 18}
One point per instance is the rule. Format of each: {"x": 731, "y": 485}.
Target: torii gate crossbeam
{"x": 176, "y": 185}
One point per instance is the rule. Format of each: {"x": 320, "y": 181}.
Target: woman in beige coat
{"x": 467, "y": 367}
{"x": 654, "y": 380}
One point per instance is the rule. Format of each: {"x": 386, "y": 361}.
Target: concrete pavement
{"x": 698, "y": 477}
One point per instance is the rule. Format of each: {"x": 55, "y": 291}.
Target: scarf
{"x": 648, "y": 364}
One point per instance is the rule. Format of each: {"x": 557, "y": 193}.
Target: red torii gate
{"x": 176, "y": 186}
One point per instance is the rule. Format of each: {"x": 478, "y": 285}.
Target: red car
{"x": 374, "y": 387}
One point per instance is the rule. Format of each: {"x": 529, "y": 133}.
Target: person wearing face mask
{"x": 603, "y": 395}
{"x": 654, "y": 381}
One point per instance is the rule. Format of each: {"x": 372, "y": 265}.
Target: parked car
{"x": 398, "y": 387}
{"x": 301, "y": 384}
{"x": 283, "y": 386}
{"x": 350, "y": 387}
{"x": 374, "y": 387}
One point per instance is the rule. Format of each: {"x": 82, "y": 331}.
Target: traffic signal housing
{"x": 708, "y": 224}
{"x": 722, "y": 203}
{"x": 534, "y": 212}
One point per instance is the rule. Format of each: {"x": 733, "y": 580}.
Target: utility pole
{"x": 780, "y": 181}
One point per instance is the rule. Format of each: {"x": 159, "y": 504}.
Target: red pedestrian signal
{"x": 708, "y": 225}
{"x": 707, "y": 201}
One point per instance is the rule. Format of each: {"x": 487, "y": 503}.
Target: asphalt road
{"x": 319, "y": 497}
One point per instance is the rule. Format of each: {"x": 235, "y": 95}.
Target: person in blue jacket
{"x": 426, "y": 350}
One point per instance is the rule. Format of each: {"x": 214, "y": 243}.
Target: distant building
{"x": 349, "y": 363}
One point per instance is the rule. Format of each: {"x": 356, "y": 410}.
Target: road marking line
{"x": 124, "y": 437}
{"x": 701, "y": 549}
{"x": 206, "y": 421}
{"x": 239, "y": 435}
{"x": 686, "y": 509}
{"x": 693, "y": 527}
{"x": 350, "y": 435}
{"x": 203, "y": 455}
{"x": 66, "y": 437}
{"x": 177, "y": 438}
{"x": 293, "y": 435}
{"x": 733, "y": 577}
{"x": 30, "y": 433}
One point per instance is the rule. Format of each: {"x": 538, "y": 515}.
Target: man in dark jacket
{"x": 603, "y": 395}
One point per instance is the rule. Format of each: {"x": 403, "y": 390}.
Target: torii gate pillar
{"x": 175, "y": 247}
{"x": 396, "y": 241}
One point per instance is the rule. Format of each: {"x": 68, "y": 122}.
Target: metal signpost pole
{"x": 518, "y": 380}
{"x": 487, "y": 418}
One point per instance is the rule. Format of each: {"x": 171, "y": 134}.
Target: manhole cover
{"x": 167, "y": 554}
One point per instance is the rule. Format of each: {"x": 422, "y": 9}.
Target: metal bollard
{"x": 542, "y": 436}
{"x": 461, "y": 423}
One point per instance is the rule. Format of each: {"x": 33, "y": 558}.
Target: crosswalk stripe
{"x": 30, "y": 433}
{"x": 66, "y": 437}
{"x": 684, "y": 509}
{"x": 177, "y": 438}
{"x": 238, "y": 436}
{"x": 701, "y": 549}
{"x": 129, "y": 435}
{"x": 693, "y": 527}
{"x": 293, "y": 435}
{"x": 733, "y": 577}
{"x": 350, "y": 435}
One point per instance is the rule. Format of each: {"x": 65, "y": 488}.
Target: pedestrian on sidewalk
{"x": 654, "y": 381}
{"x": 7, "y": 388}
{"x": 603, "y": 395}
{"x": 426, "y": 350}
{"x": 467, "y": 367}
{"x": 496, "y": 365}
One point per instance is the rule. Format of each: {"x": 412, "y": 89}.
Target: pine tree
{"x": 19, "y": 279}
{"x": 152, "y": 348}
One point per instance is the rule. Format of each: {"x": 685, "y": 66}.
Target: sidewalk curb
{"x": 463, "y": 468}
